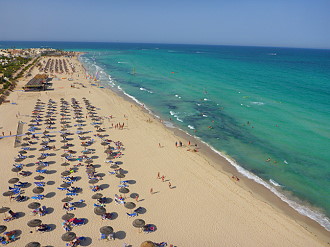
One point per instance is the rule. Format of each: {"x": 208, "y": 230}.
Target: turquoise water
{"x": 250, "y": 103}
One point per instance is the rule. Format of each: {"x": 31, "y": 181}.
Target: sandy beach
{"x": 198, "y": 203}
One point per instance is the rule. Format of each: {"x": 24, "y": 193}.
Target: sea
{"x": 265, "y": 109}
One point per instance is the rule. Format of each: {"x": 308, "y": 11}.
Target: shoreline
{"x": 205, "y": 206}
{"x": 223, "y": 165}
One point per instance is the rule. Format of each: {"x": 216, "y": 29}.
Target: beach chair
{"x": 12, "y": 216}
{"x": 71, "y": 208}
{"x": 42, "y": 171}
{"x": 132, "y": 214}
{"x": 123, "y": 185}
{"x": 99, "y": 205}
{"x": 107, "y": 216}
{"x": 38, "y": 197}
{"x": 148, "y": 228}
{"x": 25, "y": 173}
{"x": 39, "y": 184}
{"x": 78, "y": 222}
{"x": 60, "y": 188}
{"x": 71, "y": 194}
{"x": 44, "y": 228}
{"x": 43, "y": 211}
{"x": 124, "y": 181}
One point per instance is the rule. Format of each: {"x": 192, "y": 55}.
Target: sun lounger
{"x": 71, "y": 194}
{"x": 148, "y": 228}
{"x": 42, "y": 171}
{"x": 107, "y": 216}
{"x": 25, "y": 173}
{"x": 132, "y": 214}
{"x": 38, "y": 197}
{"x": 123, "y": 185}
{"x": 39, "y": 184}
{"x": 20, "y": 198}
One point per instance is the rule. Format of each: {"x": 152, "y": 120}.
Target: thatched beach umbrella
{"x": 89, "y": 161}
{"x": 65, "y": 173}
{"x": 65, "y": 164}
{"x": 25, "y": 144}
{"x": 67, "y": 199}
{"x": 68, "y": 216}
{"x": 114, "y": 166}
{"x": 120, "y": 176}
{"x": 129, "y": 205}
{"x": 100, "y": 210}
{"x": 147, "y": 244}
{"x": 68, "y": 236}
{"x": 38, "y": 190}
{"x": 41, "y": 157}
{"x": 33, "y": 244}
{"x": 97, "y": 196}
{"x": 93, "y": 181}
{"x": 39, "y": 177}
{"x": 106, "y": 230}
{"x": 34, "y": 223}
{"x": 138, "y": 223}
{"x": 4, "y": 210}
{"x": 8, "y": 193}
{"x": 22, "y": 152}
{"x": 16, "y": 169}
{"x": 34, "y": 205}
{"x": 64, "y": 155}
{"x": 124, "y": 190}
{"x": 13, "y": 180}
{"x": 65, "y": 185}
{"x": 2, "y": 228}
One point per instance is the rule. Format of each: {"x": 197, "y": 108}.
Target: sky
{"x": 278, "y": 23}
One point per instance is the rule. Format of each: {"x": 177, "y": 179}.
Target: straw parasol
{"x": 129, "y": 205}
{"x": 68, "y": 236}
{"x": 138, "y": 223}
{"x": 65, "y": 185}
{"x": 65, "y": 164}
{"x": 68, "y": 216}
{"x": 22, "y": 152}
{"x": 2, "y": 228}
{"x": 8, "y": 193}
{"x": 38, "y": 190}
{"x": 99, "y": 210}
{"x": 33, "y": 244}
{"x": 34, "y": 223}
{"x": 147, "y": 244}
{"x": 65, "y": 173}
{"x": 34, "y": 205}
{"x": 97, "y": 196}
{"x": 120, "y": 176}
{"x": 67, "y": 199}
{"x": 16, "y": 169}
{"x": 93, "y": 181}
{"x": 13, "y": 180}
{"x": 124, "y": 190}
{"x": 106, "y": 230}
{"x": 4, "y": 210}
{"x": 39, "y": 178}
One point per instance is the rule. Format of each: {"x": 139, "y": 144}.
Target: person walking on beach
{"x": 169, "y": 185}
{"x": 159, "y": 145}
{"x": 176, "y": 144}
{"x": 151, "y": 191}
{"x": 137, "y": 198}
{"x": 158, "y": 175}
{"x": 163, "y": 178}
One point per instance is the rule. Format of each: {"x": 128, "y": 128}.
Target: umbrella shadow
{"x": 122, "y": 171}
{"x": 50, "y": 195}
{"x": 29, "y": 165}
{"x": 86, "y": 242}
{"x": 95, "y": 157}
{"x": 31, "y": 156}
{"x": 20, "y": 214}
{"x": 52, "y": 227}
{"x": 33, "y": 149}
{"x": 114, "y": 215}
{"x": 50, "y": 210}
{"x": 118, "y": 162}
{"x": 131, "y": 181}
{"x": 100, "y": 175}
{"x": 97, "y": 166}
{"x": 50, "y": 182}
{"x": 51, "y": 162}
{"x": 120, "y": 235}
{"x": 52, "y": 154}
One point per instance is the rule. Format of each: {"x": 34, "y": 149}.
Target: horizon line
{"x": 159, "y": 43}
